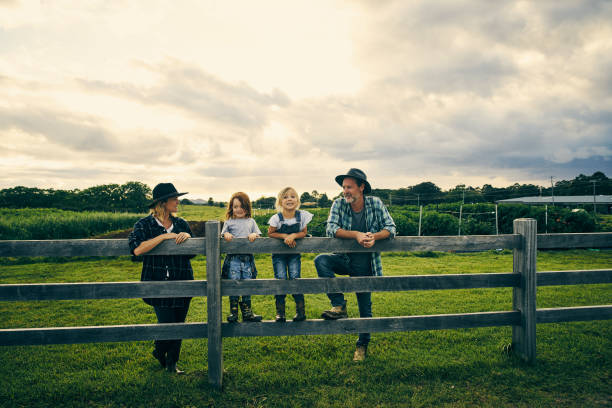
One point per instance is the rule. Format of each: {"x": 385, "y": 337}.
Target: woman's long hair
{"x": 159, "y": 210}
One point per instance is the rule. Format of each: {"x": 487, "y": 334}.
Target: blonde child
{"x": 288, "y": 224}
{"x": 239, "y": 224}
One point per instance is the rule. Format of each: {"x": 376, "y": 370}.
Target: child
{"x": 288, "y": 224}
{"x": 239, "y": 224}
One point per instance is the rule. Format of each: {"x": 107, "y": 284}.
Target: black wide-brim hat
{"x": 163, "y": 191}
{"x": 356, "y": 174}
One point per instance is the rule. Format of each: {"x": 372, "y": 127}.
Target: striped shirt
{"x": 377, "y": 219}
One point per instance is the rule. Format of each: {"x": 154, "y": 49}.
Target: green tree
{"x": 324, "y": 201}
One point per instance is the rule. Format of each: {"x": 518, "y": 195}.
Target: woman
{"x": 160, "y": 225}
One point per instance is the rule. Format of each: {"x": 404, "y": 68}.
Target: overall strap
{"x": 280, "y": 217}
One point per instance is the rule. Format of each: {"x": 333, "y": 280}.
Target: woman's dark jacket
{"x": 162, "y": 267}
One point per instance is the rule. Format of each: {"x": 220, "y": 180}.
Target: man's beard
{"x": 349, "y": 199}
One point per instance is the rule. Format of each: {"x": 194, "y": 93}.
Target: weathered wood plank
{"x": 214, "y": 305}
{"x": 377, "y": 324}
{"x": 368, "y": 284}
{"x": 101, "y": 334}
{"x": 102, "y": 290}
{"x": 576, "y": 240}
{"x": 117, "y": 247}
{"x": 573, "y": 314}
{"x": 94, "y": 247}
{"x": 524, "y": 295}
{"x": 580, "y": 277}
{"x": 398, "y": 244}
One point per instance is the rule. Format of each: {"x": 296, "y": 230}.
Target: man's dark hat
{"x": 356, "y": 174}
{"x": 163, "y": 191}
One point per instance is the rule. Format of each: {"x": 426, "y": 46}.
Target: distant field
{"x": 201, "y": 212}
{"x": 205, "y": 213}
{"x": 49, "y": 223}
{"x": 445, "y": 368}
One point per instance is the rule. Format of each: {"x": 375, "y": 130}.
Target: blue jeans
{"x": 240, "y": 269}
{"x": 330, "y": 265}
{"x": 287, "y": 265}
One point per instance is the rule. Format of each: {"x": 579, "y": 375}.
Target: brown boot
{"x": 300, "y": 311}
{"x": 336, "y": 312}
{"x": 247, "y": 313}
{"x": 233, "y": 316}
{"x": 360, "y": 353}
{"x": 280, "y": 310}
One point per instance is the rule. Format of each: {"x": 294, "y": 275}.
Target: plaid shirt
{"x": 377, "y": 219}
{"x": 162, "y": 267}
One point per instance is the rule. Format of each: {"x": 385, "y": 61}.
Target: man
{"x": 366, "y": 220}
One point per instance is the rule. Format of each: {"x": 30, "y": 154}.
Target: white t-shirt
{"x": 240, "y": 227}
{"x": 305, "y": 216}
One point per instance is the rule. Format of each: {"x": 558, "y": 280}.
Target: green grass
{"x": 454, "y": 368}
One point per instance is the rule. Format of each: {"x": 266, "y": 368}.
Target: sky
{"x": 225, "y": 96}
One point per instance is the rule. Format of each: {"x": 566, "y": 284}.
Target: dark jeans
{"x": 170, "y": 348}
{"x": 330, "y": 265}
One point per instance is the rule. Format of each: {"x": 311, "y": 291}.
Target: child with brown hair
{"x": 239, "y": 224}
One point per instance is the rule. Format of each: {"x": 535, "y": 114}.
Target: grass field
{"x": 432, "y": 368}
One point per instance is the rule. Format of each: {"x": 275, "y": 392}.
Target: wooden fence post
{"x": 524, "y": 296}
{"x": 213, "y": 301}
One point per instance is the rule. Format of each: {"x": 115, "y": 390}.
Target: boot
{"x": 360, "y": 353}
{"x": 233, "y": 316}
{"x": 161, "y": 357}
{"x": 172, "y": 368}
{"x": 336, "y": 312}
{"x": 280, "y": 310}
{"x": 300, "y": 311}
{"x": 247, "y": 313}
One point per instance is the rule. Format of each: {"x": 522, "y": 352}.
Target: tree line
{"x": 134, "y": 196}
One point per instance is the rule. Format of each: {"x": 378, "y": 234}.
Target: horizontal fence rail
{"x": 102, "y": 290}
{"x": 575, "y": 240}
{"x": 574, "y": 314}
{"x": 549, "y": 278}
{"x": 397, "y": 244}
{"x": 369, "y": 284}
{"x": 377, "y": 324}
{"x": 195, "y": 288}
{"x": 195, "y": 246}
{"x": 101, "y": 334}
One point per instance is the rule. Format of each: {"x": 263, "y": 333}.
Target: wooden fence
{"x": 523, "y": 280}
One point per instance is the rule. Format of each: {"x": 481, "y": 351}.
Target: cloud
{"x": 200, "y": 94}
{"x": 81, "y": 133}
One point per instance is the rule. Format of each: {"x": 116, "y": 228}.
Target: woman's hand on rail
{"x": 182, "y": 237}
{"x": 227, "y": 236}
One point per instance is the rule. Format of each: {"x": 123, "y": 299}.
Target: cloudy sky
{"x": 221, "y": 96}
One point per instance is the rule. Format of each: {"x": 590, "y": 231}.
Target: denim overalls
{"x": 288, "y": 265}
